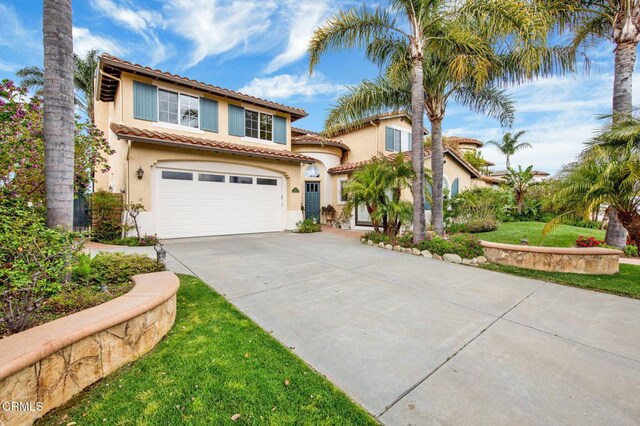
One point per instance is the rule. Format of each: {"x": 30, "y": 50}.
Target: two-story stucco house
{"x": 204, "y": 160}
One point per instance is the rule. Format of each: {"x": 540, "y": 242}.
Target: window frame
{"x": 401, "y": 132}
{"x": 260, "y": 114}
{"x": 340, "y": 201}
{"x": 179, "y": 119}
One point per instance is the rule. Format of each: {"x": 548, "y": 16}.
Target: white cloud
{"x": 287, "y": 86}
{"x": 143, "y": 22}
{"x": 83, "y": 41}
{"x": 15, "y": 34}
{"x": 303, "y": 17}
{"x": 216, "y": 27}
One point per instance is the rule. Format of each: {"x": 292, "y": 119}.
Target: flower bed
{"x": 47, "y": 365}
{"x": 458, "y": 248}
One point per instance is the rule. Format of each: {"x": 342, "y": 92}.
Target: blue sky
{"x": 259, "y": 47}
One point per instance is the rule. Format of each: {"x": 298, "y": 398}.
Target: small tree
{"x": 510, "y": 145}
{"x": 520, "y": 181}
{"x": 34, "y": 260}
{"x": 133, "y": 211}
{"x": 378, "y": 185}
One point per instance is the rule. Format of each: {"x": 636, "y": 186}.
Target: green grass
{"x": 213, "y": 364}
{"x": 562, "y": 235}
{"x": 625, "y": 283}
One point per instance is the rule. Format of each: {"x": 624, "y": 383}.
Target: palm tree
{"x": 59, "y": 119}
{"x": 520, "y": 181}
{"x": 510, "y": 145}
{"x": 378, "y": 185}
{"x": 460, "y": 60}
{"x": 360, "y": 27}
{"x": 606, "y": 175}
{"x": 617, "y": 21}
{"x": 32, "y": 78}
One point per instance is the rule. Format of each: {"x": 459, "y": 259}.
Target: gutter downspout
{"x": 377, "y": 135}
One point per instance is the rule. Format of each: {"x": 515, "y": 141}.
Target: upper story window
{"x": 397, "y": 140}
{"x": 181, "y": 109}
{"x": 258, "y": 125}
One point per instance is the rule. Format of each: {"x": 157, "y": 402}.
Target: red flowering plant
{"x": 588, "y": 242}
{"x": 22, "y": 146}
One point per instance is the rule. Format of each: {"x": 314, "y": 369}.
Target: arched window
{"x": 312, "y": 171}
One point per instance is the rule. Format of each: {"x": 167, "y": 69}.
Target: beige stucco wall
{"x": 368, "y": 141}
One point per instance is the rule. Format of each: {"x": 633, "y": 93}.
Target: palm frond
{"x": 488, "y": 100}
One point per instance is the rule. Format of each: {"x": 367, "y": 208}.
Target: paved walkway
{"x": 419, "y": 341}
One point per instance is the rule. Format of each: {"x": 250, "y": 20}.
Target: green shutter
{"x": 388, "y": 138}
{"x": 454, "y": 187}
{"x": 236, "y": 120}
{"x": 279, "y": 130}
{"x": 208, "y": 115}
{"x": 145, "y": 101}
{"x": 427, "y": 204}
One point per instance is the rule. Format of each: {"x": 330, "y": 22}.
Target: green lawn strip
{"x": 213, "y": 364}
{"x": 561, "y": 236}
{"x": 625, "y": 283}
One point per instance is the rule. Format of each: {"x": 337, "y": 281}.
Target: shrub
{"x": 464, "y": 245}
{"x": 588, "y": 242}
{"x": 307, "y": 226}
{"x": 147, "y": 240}
{"x": 481, "y": 224}
{"x": 631, "y": 251}
{"x": 495, "y": 203}
{"x": 34, "y": 260}
{"x": 106, "y": 209}
{"x": 118, "y": 268}
{"x": 377, "y": 237}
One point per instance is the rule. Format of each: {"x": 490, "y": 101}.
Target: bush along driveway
{"x": 214, "y": 367}
{"x": 419, "y": 341}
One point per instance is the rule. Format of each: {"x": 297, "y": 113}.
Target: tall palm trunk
{"x": 59, "y": 120}
{"x": 625, "y": 60}
{"x": 417, "y": 146}
{"x": 508, "y": 162}
{"x": 437, "y": 170}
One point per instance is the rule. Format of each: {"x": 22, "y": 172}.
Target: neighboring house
{"x": 538, "y": 176}
{"x": 204, "y": 160}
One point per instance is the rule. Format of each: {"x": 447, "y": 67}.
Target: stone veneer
{"x": 597, "y": 261}
{"x": 51, "y": 363}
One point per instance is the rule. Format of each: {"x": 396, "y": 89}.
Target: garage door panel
{"x": 201, "y": 207}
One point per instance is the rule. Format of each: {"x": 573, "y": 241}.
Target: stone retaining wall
{"x": 45, "y": 366}
{"x": 597, "y": 261}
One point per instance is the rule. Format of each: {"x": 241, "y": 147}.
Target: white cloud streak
{"x": 216, "y": 27}
{"x": 303, "y": 17}
{"x": 84, "y": 41}
{"x": 287, "y": 86}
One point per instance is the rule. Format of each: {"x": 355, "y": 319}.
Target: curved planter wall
{"x": 554, "y": 259}
{"x": 45, "y": 366}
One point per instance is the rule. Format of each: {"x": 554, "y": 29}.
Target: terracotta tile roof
{"x": 351, "y": 167}
{"x": 366, "y": 121}
{"x": 152, "y": 136}
{"x": 457, "y": 140}
{"x": 300, "y": 131}
{"x": 315, "y": 139}
{"x": 120, "y": 64}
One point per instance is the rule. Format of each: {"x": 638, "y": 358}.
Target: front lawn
{"x": 213, "y": 365}
{"x": 562, "y": 235}
{"x": 625, "y": 283}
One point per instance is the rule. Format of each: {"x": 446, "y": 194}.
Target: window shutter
{"x": 279, "y": 130}
{"x": 208, "y": 115}
{"x": 427, "y": 204}
{"x": 145, "y": 101}
{"x": 388, "y": 138}
{"x": 236, "y": 120}
{"x": 454, "y": 187}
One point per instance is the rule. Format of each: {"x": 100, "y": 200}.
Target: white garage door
{"x": 192, "y": 203}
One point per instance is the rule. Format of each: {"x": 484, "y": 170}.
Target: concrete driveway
{"x": 419, "y": 341}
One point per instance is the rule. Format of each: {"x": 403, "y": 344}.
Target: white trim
{"x": 258, "y": 139}
{"x": 339, "y": 195}
{"x": 172, "y": 125}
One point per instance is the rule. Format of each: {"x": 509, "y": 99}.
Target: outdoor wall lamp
{"x": 140, "y": 173}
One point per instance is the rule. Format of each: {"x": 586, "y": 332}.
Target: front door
{"x": 312, "y": 201}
